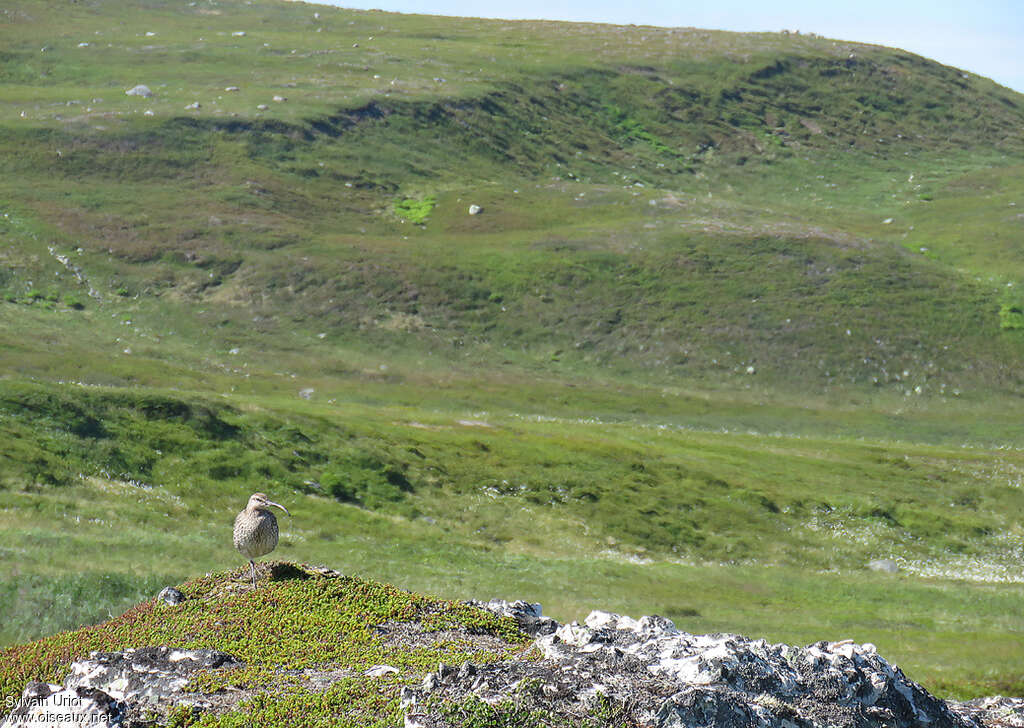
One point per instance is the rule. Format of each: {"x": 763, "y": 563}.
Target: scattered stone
{"x": 528, "y": 616}
{"x": 192, "y": 106}
{"x": 306, "y": 393}
{"x": 262, "y": 107}
{"x": 475, "y": 209}
{"x": 887, "y": 221}
{"x": 171, "y": 596}
{"x": 147, "y": 112}
{"x": 280, "y": 99}
{"x": 239, "y": 34}
{"x": 995, "y": 712}
{"x": 51, "y": 705}
{"x": 140, "y": 90}
{"x": 232, "y": 89}
{"x": 379, "y": 670}
{"x": 886, "y": 565}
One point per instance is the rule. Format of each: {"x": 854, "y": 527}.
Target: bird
{"x": 256, "y": 530}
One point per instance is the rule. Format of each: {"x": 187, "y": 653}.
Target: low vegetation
{"x": 339, "y": 619}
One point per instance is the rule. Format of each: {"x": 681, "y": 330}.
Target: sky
{"x": 985, "y": 37}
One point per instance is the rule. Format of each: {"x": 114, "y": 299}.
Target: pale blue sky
{"x": 981, "y": 36}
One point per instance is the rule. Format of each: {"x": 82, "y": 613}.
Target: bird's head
{"x": 260, "y": 502}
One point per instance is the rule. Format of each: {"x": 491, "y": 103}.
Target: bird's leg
{"x": 252, "y": 568}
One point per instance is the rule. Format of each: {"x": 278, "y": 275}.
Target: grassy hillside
{"x": 669, "y": 204}
{"x": 737, "y": 316}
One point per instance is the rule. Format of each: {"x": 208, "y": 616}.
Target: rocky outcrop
{"x": 610, "y": 670}
{"x": 648, "y": 673}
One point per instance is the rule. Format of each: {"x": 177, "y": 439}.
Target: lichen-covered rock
{"x": 43, "y": 704}
{"x": 171, "y": 596}
{"x": 528, "y": 616}
{"x": 119, "y": 688}
{"x": 662, "y": 677}
{"x": 994, "y": 712}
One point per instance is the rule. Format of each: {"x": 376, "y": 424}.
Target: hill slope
{"x": 669, "y": 204}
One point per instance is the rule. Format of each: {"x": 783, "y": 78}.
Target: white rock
{"x": 574, "y": 634}
{"x": 262, "y": 107}
{"x": 231, "y": 89}
{"x": 239, "y": 34}
{"x": 280, "y": 99}
{"x": 888, "y": 566}
{"x": 193, "y": 105}
{"x": 598, "y": 619}
{"x": 475, "y": 209}
{"x": 140, "y": 90}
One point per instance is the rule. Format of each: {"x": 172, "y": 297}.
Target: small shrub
{"x": 415, "y": 211}
{"x": 73, "y": 302}
{"x": 1011, "y": 317}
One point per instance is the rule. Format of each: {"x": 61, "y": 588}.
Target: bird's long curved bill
{"x": 272, "y": 503}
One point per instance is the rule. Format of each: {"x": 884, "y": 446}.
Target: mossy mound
{"x": 298, "y": 626}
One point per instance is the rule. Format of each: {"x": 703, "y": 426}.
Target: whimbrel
{"x": 256, "y": 530}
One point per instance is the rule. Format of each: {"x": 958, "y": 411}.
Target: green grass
{"x": 765, "y": 535}
{"x": 737, "y": 318}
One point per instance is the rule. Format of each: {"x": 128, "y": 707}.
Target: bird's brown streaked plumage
{"x": 256, "y": 530}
